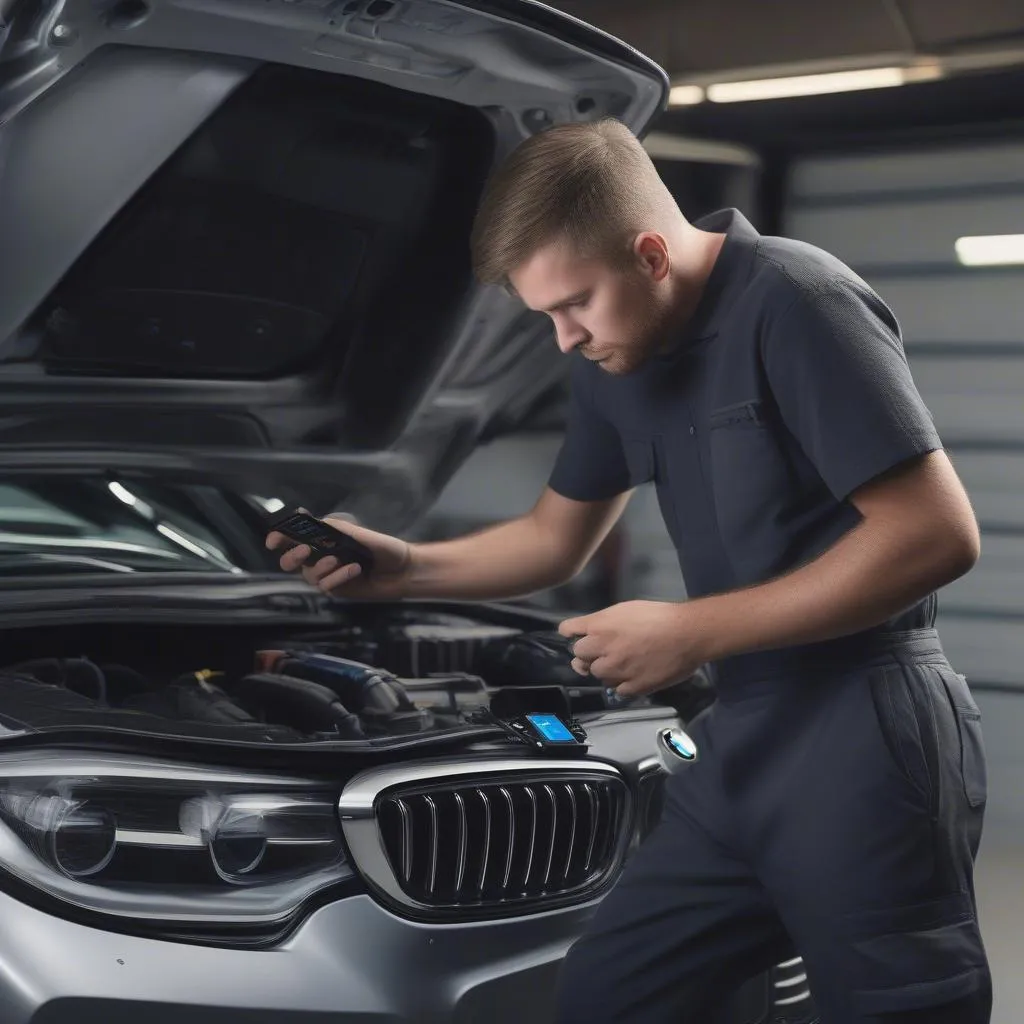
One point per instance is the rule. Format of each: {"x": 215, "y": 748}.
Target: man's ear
{"x": 651, "y": 249}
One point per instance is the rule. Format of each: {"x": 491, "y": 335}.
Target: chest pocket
{"x": 752, "y": 484}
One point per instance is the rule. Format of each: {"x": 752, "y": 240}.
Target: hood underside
{"x": 234, "y": 234}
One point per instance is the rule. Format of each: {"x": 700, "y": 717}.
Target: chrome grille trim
{"x": 572, "y": 832}
{"x": 790, "y": 982}
{"x": 485, "y": 860}
{"x": 792, "y": 1000}
{"x": 433, "y": 845}
{"x": 492, "y": 836}
{"x": 511, "y": 834}
{"x": 460, "y": 871}
{"x": 531, "y": 847}
{"x": 403, "y": 809}
{"x": 554, "y": 833}
{"x": 592, "y": 797}
{"x": 791, "y": 986}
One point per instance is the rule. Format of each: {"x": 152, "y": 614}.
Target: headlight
{"x": 145, "y": 840}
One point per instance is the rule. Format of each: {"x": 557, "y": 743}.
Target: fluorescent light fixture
{"x": 806, "y": 85}
{"x": 990, "y": 250}
{"x": 685, "y": 95}
{"x": 810, "y": 84}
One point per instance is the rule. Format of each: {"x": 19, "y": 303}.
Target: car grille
{"x": 502, "y": 839}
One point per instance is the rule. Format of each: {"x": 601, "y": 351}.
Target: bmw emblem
{"x": 676, "y": 742}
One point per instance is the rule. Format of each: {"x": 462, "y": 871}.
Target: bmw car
{"x": 235, "y": 278}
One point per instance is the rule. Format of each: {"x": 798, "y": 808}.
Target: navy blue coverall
{"x": 836, "y": 804}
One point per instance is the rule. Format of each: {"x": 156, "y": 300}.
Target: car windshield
{"x": 60, "y": 524}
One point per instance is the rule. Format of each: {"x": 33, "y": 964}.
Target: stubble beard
{"x": 651, "y": 335}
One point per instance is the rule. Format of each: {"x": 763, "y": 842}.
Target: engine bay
{"x": 387, "y": 674}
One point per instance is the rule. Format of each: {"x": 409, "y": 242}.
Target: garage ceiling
{"x": 699, "y": 40}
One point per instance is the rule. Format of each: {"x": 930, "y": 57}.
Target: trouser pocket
{"x": 931, "y": 726}
{"x": 973, "y": 770}
{"x": 908, "y": 729}
{"x": 913, "y": 957}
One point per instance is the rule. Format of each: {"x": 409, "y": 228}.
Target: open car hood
{"x": 234, "y": 234}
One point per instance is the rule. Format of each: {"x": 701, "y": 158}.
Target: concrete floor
{"x": 1000, "y": 868}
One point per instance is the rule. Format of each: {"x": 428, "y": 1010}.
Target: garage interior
{"x": 890, "y": 132}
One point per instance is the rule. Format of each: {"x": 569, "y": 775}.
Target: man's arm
{"x": 837, "y": 369}
{"x": 918, "y": 534}
{"x": 587, "y": 491}
{"x": 544, "y": 548}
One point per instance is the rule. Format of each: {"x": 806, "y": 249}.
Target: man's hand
{"x": 639, "y": 646}
{"x": 391, "y": 560}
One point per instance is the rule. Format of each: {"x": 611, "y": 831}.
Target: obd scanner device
{"x": 546, "y": 731}
{"x": 538, "y": 717}
{"x": 322, "y": 539}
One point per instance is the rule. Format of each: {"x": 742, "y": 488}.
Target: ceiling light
{"x": 990, "y": 250}
{"x": 685, "y": 95}
{"x": 814, "y": 85}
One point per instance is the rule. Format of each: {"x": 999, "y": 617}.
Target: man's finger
{"x": 318, "y": 570}
{"x": 295, "y": 558}
{"x": 586, "y": 648}
{"x": 640, "y": 687}
{"x": 339, "y": 577}
{"x": 632, "y": 688}
{"x": 601, "y": 668}
{"x": 276, "y": 539}
{"x": 580, "y": 667}
{"x": 573, "y": 627}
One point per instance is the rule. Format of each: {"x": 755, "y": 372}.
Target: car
{"x": 234, "y": 238}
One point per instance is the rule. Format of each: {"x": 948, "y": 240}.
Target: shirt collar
{"x": 728, "y": 278}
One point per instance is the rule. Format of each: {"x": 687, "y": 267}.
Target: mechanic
{"x": 837, "y": 800}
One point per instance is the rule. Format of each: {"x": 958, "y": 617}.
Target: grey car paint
{"x": 352, "y": 961}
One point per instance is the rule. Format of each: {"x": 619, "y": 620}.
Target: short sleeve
{"x": 590, "y": 465}
{"x": 837, "y": 369}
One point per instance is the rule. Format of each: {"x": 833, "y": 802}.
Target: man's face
{"x": 613, "y": 315}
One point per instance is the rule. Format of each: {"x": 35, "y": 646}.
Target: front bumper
{"x": 351, "y": 961}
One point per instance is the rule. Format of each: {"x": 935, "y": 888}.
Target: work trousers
{"x": 834, "y": 811}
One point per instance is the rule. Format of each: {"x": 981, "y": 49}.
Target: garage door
{"x": 895, "y": 217}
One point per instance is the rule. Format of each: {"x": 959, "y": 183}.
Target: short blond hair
{"x": 592, "y": 184}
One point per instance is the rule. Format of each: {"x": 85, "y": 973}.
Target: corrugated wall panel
{"x": 895, "y": 218}
{"x": 994, "y": 585}
{"x": 910, "y": 171}
{"x": 919, "y": 233}
{"x": 988, "y": 310}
